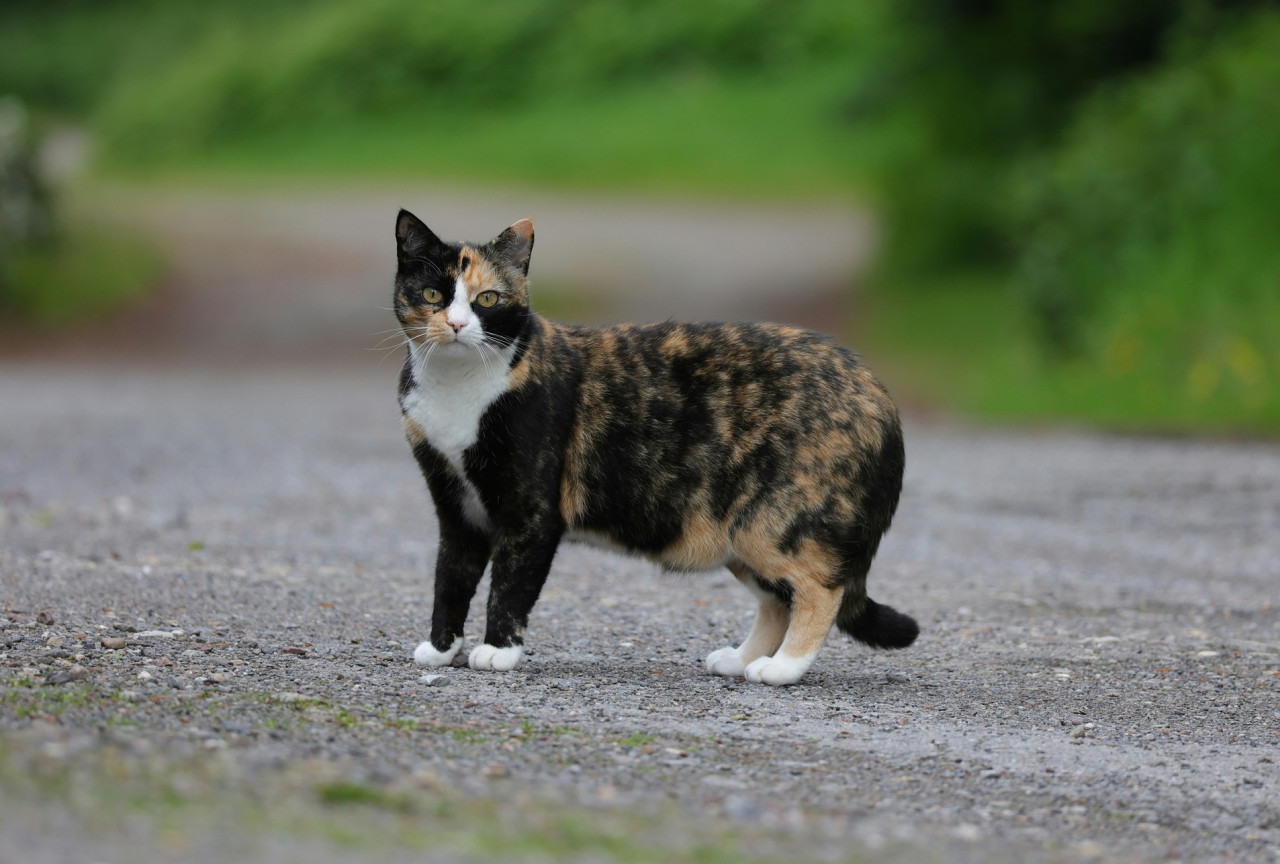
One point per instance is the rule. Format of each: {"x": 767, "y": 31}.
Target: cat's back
{"x": 741, "y": 368}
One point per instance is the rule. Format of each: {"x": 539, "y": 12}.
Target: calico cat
{"x": 757, "y": 447}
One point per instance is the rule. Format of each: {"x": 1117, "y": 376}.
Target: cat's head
{"x": 459, "y": 297}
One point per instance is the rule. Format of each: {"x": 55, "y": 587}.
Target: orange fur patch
{"x": 702, "y": 545}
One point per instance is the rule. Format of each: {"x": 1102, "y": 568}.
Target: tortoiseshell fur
{"x": 758, "y": 447}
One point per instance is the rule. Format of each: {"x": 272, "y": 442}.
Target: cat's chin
{"x": 455, "y": 353}
{"x": 457, "y": 348}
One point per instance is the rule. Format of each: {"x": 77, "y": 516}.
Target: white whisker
{"x": 500, "y": 340}
{"x": 494, "y": 351}
{"x": 484, "y": 360}
{"x": 398, "y": 339}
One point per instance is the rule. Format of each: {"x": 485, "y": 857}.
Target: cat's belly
{"x": 668, "y": 559}
{"x": 599, "y": 541}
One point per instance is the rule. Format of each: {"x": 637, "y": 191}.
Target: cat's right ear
{"x": 414, "y": 239}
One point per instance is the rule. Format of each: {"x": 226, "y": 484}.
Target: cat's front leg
{"x": 520, "y": 567}
{"x": 460, "y": 563}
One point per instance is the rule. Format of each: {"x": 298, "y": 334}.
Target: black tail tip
{"x": 881, "y": 626}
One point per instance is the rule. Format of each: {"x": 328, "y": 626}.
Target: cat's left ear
{"x": 515, "y": 245}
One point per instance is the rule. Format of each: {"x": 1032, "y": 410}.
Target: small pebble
{"x": 75, "y": 672}
{"x": 114, "y": 642}
{"x": 434, "y": 680}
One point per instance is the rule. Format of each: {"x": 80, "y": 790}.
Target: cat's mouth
{"x": 440, "y": 341}
{"x": 455, "y": 345}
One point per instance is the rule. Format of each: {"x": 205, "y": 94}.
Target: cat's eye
{"x": 432, "y": 295}
{"x": 487, "y": 298}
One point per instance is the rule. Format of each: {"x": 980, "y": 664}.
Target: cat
{"x": 762, "y": 448}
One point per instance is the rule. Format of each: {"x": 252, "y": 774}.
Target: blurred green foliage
{"x": 441, "y": 61}
{"x": 1106, "y": 173}
{"x": 26, "y": 213}
{"x": 87, "y": 270}
{"x": 67, "y": 55}
{"x": 1152, "y": 237}
{"x": 978, "y": 85}
{"x": 54, "y": 269}
{"x": 1077, "y": 193}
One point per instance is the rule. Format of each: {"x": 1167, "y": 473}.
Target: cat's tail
{"x": 875, "y": 624}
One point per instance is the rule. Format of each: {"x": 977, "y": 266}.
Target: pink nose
{"x": 456, "y": 327}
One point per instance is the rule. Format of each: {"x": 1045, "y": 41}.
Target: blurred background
{"x": 1038, "y": 211}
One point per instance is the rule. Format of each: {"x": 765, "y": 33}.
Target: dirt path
{"x": 304, "y": 273}
{"x": 1098, "y": 677}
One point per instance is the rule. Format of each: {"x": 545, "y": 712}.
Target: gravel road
{"x": 211, "y": 583}
{"x": 214, "y": 564}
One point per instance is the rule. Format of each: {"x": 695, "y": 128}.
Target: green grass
{"x": 468, "y": 736}
{"x": 636, "y": 739}
{"x": 162, "y": 808}
{"x": 347, "y": 792}
{"x": 32, "y": 699}
{"x": 963, "y": 345}
{"x": 776, "y": 138}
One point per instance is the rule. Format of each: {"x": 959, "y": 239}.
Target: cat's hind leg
{"x": 813, "y": 610}
{"x": 766, "y": 633}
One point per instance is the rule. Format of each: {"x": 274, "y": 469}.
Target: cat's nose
{"x": 456, "y": 327}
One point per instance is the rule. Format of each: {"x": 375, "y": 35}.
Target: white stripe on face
{"x": 459, "y": 312}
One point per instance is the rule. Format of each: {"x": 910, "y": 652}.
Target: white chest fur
{"x": 448, "y": 399}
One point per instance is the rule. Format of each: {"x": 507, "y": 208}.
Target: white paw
{"x": 727, "y": 662}
{"x": 778, "y": 670}
{"x": 496, "y": 659}
{"x": 427, "y": 655}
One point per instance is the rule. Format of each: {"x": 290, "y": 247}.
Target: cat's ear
{"x": 414, "y": 239}
{"x": 515, "y": 245}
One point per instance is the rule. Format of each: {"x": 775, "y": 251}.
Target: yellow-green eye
{"x": 487, "y": 298}
{"x": 431, "y": 295}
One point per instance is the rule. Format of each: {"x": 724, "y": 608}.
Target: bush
{"x": 26, "y": 212}
{"x": 51, "y": 271}
{"x": 1150, "y": 245}
{"x": 982, "y": 86}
